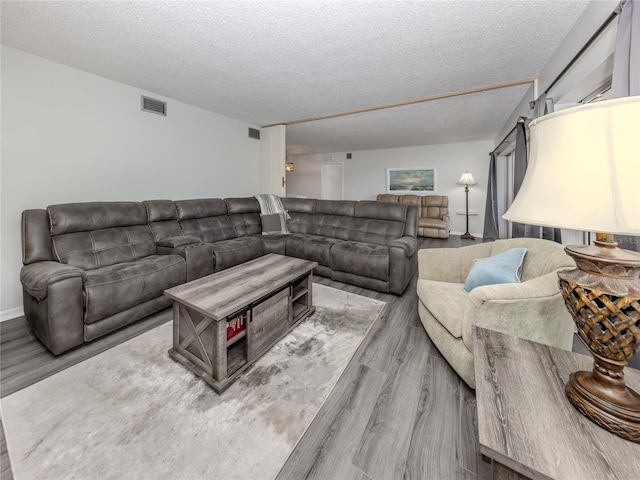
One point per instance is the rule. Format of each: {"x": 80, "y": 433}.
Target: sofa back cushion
{"x": 200, "y": 208}
{"x": 36, "y": 236}
{"x": 388, "y": 197}
{"x": 299, "y": 205}
{"x": 206, "y": 219}
{"x": 160, "y": 210}
{"x": 434, "y": 206}
{"x": 99, "y": 234}
{"x": 378, "y": 222}
{"x": 301, "y": 211}
{"x": 333, "y": 218}
{"x": 542, "y": 257}
{"x": 163, "y": 218}
{"x": 410, "y": 199}
{"x": 411, "y": 224}
{"x": 245, "y": 215}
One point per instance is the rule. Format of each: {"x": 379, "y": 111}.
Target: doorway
{"x": 332, "y": 181}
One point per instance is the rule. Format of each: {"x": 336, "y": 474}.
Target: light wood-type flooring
{"x": 398, "y": 411}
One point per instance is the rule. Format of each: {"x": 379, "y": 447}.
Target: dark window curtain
{"x": 491, "y": 206}
{"x": 541, "y": 107}
{"x": 626, "y": 74}
{"x": 520, "y": 230}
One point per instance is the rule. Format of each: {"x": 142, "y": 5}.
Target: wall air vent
{"x": 254, "y": 133}
{"x": 152, "y": 105}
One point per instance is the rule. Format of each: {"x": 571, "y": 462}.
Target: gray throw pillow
{"x": 274, "y": 224}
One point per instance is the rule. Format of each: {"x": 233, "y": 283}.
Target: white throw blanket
{"x": 270, "y": 204}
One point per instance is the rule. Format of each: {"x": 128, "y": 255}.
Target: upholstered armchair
{"x": 433, "y": 217}
{"x": 532, "y": 309}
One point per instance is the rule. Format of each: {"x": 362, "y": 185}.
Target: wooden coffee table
{"x": 270, "y": 295}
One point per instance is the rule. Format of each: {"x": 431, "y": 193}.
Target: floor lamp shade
{"x": 583, "y": 174}
{"x": 467, "y": 179}
{"x": 584, "y": 169}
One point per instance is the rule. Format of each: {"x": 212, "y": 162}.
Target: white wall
{"x": 69, "y": 136}
{"x": 366, "y": 175}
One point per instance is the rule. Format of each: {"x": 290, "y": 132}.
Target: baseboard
{"x": 11, "y": 313}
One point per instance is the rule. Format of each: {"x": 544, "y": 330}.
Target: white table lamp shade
{"x": 584, "y": 169}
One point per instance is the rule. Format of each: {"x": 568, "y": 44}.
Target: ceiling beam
{"x": 410, "y": 102}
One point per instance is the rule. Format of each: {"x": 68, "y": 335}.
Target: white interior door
{"x": 332, "y": 181}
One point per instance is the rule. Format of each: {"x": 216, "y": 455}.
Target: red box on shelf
{"x": 235, "y": 326}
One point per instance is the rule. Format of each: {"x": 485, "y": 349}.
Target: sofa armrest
{"x": 199, "y": 257}
{"x": 36, "y": 277}
{"x": 408, "y": 244}
{"x": 533, "y": 310}
{"x": 178, "y": 241}
{"x": 539, "y": 287}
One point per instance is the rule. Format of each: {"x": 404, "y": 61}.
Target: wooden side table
{"x": 526, "y": 426}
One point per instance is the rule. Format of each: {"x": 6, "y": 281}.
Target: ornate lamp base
{"x": 603, "y": 297}
{"x": 617, "y": 412}
{"x": 467, "y": 236}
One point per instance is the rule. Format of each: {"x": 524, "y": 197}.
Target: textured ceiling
{"x": 267, "y": 62}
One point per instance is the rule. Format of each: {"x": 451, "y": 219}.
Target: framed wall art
{"x": 418, "y": 180}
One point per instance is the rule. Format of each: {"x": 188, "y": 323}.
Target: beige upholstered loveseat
{"x": 433, "y": 219}
{"x": 532, "y": 309}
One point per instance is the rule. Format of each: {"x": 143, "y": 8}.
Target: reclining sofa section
{"x": 92, "y": 268}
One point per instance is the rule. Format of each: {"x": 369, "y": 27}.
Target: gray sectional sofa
{"x": 92, "y": 268}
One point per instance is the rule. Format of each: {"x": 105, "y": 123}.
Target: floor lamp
{"x": 467, "y": 180}
{"x": 583, "y": 175}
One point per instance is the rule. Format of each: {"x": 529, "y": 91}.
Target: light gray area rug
{"x": 133, "y": 413}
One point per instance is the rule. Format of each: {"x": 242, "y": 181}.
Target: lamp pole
{"x": 466, "y": 235}
{"x": 467, "y": 180}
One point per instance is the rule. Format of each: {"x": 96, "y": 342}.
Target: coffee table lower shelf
{"x": 237, "y": 361}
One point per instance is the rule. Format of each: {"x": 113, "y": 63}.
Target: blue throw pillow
{"x": 501, "y": 268}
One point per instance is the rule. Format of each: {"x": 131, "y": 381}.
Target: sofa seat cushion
{"x": 431, "y": 223}
{"x": 446, "y": 302}
{"x": 112, "y": 289}
{"x": 232, "y": 252}
{"x": 311, "y": 247}
{"x": 274, "y": 244}
{"x": 365, "y": 259}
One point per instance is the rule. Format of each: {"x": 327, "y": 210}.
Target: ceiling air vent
{"x": 152, "y": 105}
{"x": 254, "y": 133}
